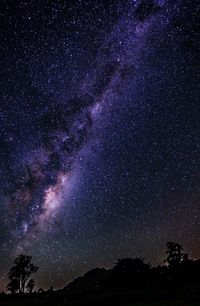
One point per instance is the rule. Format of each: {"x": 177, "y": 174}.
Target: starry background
{"x": 99, "y": 133}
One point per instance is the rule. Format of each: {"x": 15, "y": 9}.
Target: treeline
{"x": 136, "y": 273}
{"x": 127, "y": 273}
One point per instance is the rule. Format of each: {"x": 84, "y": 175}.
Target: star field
{"x": 99, "y": 133}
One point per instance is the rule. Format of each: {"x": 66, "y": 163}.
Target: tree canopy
{"x": 19, "y": 274}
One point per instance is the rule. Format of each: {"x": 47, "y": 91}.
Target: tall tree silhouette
{"x": 175, "y": 255}
{"x": 20, "y": 273}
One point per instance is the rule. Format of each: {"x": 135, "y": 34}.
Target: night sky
{"x": 99, "y": 133}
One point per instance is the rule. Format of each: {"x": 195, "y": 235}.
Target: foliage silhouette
{"x": 14, "y": 285}
{"x": 129, "y": 272}
{"x": 30, "y": 285}
{"x": 20, "y": 273}
{"x": 174, "y": 254}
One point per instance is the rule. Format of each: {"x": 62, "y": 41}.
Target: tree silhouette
{"x": 30, "y": 285}
{"x": 14, "y": 285}
{"x": 20, "y": 273}
{"x": 130, "y": 272}
{"x": 132, "y": 265}
{"x": 174, "y": 254}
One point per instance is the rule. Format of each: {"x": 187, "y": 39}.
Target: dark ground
{"x": 177, "y": 296}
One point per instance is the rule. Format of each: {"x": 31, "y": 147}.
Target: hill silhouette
{"x": 89, "y": 281}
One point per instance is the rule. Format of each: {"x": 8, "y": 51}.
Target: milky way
{"x": 99, "y": 132}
